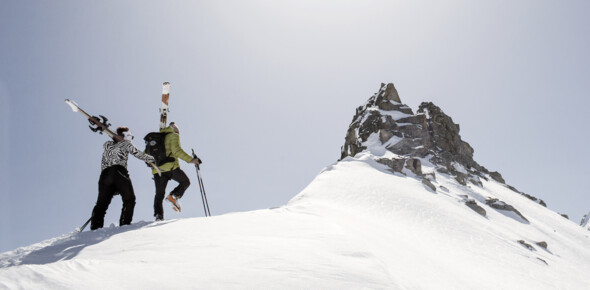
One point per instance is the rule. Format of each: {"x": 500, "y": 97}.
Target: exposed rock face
{"x": 497, "y": 177}
{"x": 586, "y": 221}
{"x": 427, "y": 135}
{"x": 428, "y": 183}
{"x": 498, "y": 204}
{"x": 526, "y": 245}
{"x": 542, "y": 244}
{"x": 475, "y": 207}
{"x": 537, "y": 200}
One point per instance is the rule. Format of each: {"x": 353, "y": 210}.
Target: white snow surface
{"x": 356, "y": 226}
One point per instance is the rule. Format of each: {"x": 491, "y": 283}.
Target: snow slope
{"x": 356, "y": 226}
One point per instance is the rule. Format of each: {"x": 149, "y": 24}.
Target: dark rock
{"x": 444, "y": 136}
{"x": 513, "y": 189}
{"x": 390, "y": 93}
{"x": 405, "y": 146}
{"x": 541, "y": 202}
{"x": 497, "y": 177}
{"x": 475, "y": 207}
{"x": 584, "y": 219}
{"x": 430, "y": 185}
{"x": 526, "y": 245}
{"x": 542, "y": 261}
{"x": 430, "y": 175}
{"x": 461, "y": 179}
{"x": 537, "y": 200}
{"x": 498, "y": 204}
{"x": 386, "y": 106}
{"x": 371, "y": 125}
{"x": 415, "y": 119}
{"x": 475, "y": 180}
{"x": 564, "y": 215}
{"x": 395, "y": 164}
{"x": 385, "y": 135}
{"x": 414, "y": 165}
{"x": 542, "y": 244}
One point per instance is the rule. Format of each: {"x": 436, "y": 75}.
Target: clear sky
{"x": 265, "y": 90}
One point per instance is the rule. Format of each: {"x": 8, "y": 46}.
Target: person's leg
{"x": 183, "y": 182}
{"x": 160, "y": 182}
{"x": 125, "y": 188}
{"x": 105, "y": 194}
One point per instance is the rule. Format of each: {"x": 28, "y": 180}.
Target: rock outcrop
{"x": 586, "y": 221}
{"x": 500, "y": 205}
{"x": 475, "y": 207}
{"x": 402, "y": 140}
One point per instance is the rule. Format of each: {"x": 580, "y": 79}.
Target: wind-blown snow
{"x": 356, "y": 226}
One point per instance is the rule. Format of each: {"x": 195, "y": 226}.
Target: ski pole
{"x": 80, "y": 229}
{"x": 204, "y": 193}
{"x": 202, "y": 187}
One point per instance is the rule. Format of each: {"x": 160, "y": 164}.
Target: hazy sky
{"x": 265, "y": 90}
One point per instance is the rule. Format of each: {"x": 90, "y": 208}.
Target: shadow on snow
{"x": 65, "y": 247}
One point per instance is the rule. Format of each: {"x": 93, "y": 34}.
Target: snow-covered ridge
{"x": 357, "y": 225}
{"x": 405, "y": 211}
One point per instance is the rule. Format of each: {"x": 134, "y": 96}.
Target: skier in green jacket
{"x": 171, "y": 170}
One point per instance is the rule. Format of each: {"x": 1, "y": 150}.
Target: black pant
{"x": 113, "y": 180}
{"x": 162, "y": 181}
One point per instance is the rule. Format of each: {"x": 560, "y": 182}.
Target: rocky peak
{"x": 429, "y": 133}
{"x": 396, "y": 136}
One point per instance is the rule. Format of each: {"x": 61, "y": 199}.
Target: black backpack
{"x": 154, "y": 146}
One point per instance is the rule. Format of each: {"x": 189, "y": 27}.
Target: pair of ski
{"x": 164, "y": 109}
{"x": 101, "y": 125}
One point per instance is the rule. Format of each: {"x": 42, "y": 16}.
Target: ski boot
{"x": 174, "y": 201}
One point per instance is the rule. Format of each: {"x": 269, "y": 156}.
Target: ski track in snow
{"x": 355, "y": 226}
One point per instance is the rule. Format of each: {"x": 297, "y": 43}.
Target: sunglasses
{"x": 128, "y": 136}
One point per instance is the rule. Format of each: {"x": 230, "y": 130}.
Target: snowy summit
{"x": 406, "y": 207}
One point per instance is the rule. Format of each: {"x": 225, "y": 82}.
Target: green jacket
{"x": 173, "y": 149}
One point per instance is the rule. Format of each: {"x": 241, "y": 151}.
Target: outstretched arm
{"x": 140, "y": 155}
{"x": 177, "y": 150}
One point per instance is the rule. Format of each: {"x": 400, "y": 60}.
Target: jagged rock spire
{"x": 429, "y": 132}
{"x": 384, "y": 122}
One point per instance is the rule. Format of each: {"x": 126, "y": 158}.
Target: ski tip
{"x": 72, "y": 105}
{"x": 166, "y": 88}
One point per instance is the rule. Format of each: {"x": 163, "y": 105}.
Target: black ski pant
{"x": 113, "y": 180}
{"x": 162, "y": 181}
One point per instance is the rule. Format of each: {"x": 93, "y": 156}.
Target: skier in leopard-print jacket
{"x": 114, "y": 178}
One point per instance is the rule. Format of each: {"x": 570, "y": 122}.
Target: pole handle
{"x": 156, "y": 168}
{"x": 195, "y": 157}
